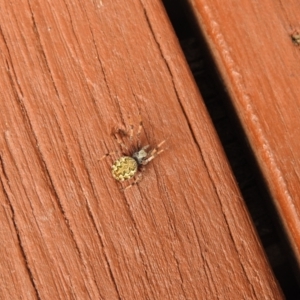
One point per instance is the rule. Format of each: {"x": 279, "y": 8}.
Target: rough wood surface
{"x": 255, "y": 46}
{"x": 70, "y": 73}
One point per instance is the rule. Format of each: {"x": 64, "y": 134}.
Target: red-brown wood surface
{"x": 71, "y": 72}
{"x": 259, "y": 60}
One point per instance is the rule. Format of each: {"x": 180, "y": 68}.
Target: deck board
{"x": 254, "y": 49}
{"x": 71, "y": 74}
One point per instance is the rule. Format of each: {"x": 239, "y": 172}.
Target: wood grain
{"x": 71, "y": 72}
{"x": 258, "y": 58}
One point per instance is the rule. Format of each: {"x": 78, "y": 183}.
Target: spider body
{"x": 124, "y": 168}
{"x": 127, "y": 166}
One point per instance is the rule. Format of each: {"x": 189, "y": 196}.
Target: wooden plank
{"x": 255, "y": 49}
{"x": 71, "y": 72}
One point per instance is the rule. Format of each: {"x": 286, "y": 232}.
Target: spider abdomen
{"x": 124, "y": 168}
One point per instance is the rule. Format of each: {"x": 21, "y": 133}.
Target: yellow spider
{"x": 128, "y": 166}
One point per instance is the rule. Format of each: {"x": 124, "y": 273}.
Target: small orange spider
{"x": 128, "y": 166}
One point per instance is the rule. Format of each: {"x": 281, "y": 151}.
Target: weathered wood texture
{"x": 259, "y": 61}
{"x": 70, "y": 73}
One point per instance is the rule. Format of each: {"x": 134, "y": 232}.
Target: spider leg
{"x": 108, "y": 154}
{"x": 138, "y": 178}
{"x": 161, "y": 143}
{"x": 139, "y": 131}
{"x": 145, "y": 147}
{"x": 131, "y": 131}
{"x": 120, "y": 142}
{"x": 153, "y": 154}
{"x": 131, "y": 128}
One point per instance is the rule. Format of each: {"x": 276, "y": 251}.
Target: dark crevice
{"x": 13, "y": 219}
{"x": 246, "y": 171}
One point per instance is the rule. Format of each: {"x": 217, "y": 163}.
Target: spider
{"x": 131, "y": 166}
{"x": 296, "y": 37}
